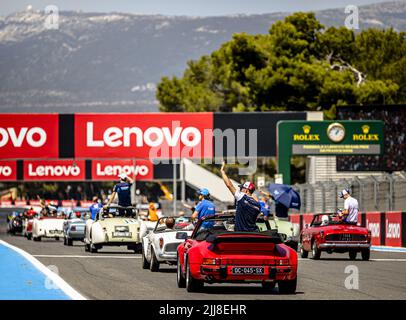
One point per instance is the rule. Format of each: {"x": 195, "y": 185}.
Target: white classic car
{"x": 160, "y": 245}
{"x": 47, "y": 227}
{"x": 111, "y": 229}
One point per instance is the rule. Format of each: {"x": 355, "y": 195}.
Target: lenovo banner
{"x": 57, "y": 170}
{"x": 8, "y": 171}
{"x": 373, "y": 223}
{"x": 147, "y": 135}
{"x": 307, "y": 219}
{"x": 29, "y": 136}
{"x": 393, "y": 229}
{"x": 103, "y": 170}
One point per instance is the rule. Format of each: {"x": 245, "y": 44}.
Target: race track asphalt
{"x": 115, "y": 273}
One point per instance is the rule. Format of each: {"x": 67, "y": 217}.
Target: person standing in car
{"x": 247, "y": 206}
{"x": 123, "y": 190}
{"x": 350, "y": 212}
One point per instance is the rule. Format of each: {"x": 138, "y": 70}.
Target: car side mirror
{"x": 182, "y": 235}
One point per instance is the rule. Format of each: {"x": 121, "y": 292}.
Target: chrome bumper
{"x": 344, "y": 245}
{"x": 168, "y": 256}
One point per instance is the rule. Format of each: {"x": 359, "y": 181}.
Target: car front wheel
{"x": 365, "y": 254}
{"x": 316, "y": 253}
{"x": 180, "y": 277}
{"x": 352, "y": 254}
{"x": 303, "y": 253}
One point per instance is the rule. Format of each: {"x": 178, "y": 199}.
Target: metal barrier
{"x": 386, "y": 192}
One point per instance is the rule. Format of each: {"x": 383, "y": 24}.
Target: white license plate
{"x": 119, "y": 234}
{"x": 247, "y": 270}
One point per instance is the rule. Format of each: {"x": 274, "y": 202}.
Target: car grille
{"x": 346, "y": 237}
{"x": 171, "y": 247}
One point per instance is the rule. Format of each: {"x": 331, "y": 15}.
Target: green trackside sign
{"x": 326, "y": 138}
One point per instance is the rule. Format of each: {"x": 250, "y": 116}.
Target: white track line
{"x": 92, "y": 257}
{"x": 56, "y": 279}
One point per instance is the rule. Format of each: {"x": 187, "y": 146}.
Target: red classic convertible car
{"x": 215, "y": 253}
{"x": 328, "y": 233}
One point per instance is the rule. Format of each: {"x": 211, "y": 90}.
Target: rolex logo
{"x": 306, "y": 129}
{"x": 365, "y": 129}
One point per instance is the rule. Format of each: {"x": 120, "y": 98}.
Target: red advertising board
{"x": 109, "y": 169}
{"x": 373, "y": 223}
{"x": 147, "y": 135}
{"x": 8, "y": 171}
{"x": 29, "y": 136}
{"x": 307, "y": 219}
{"x": 295, "y": 220}
{"x": 56, "y": 170}
{"x": 393, "y": 229}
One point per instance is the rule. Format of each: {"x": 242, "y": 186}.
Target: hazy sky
{"x": 181, "y": 7}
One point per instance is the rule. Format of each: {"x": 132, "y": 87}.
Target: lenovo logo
{"x": 392, "y": 230}
{"x": 115, "y": 170}
{"x": 5, "y": 171}
{"x": 134, "y": 136}
{"x": 375, "y": 229}
{"x": 56, "y": 170}
{"x": 53, "y": 170}
{"x": 35, "y": 137}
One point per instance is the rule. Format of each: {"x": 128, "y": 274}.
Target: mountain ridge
{"x": 111, "y": 62}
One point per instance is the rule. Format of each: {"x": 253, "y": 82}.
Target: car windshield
{"x": 173, "y": 224}
{"x": 226, "y": 224}
{"x": 326, "y": 220}
{"x": 113, "y": 212}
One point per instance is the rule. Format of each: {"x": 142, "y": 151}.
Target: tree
{"x": 298, "y": 65}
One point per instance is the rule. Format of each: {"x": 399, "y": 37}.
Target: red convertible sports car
{"x": 215, "y": 253}
{"x": 328, "y": 233}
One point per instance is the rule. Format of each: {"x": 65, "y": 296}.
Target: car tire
{"x": 365, "y": 254}
{"x": 37, "y": 238}
{"x": 287, "y": 286}
{"x": 93, "y": 248}
{"x": 180, "y": 277}
{"x": 154, "y": 265}
{"x": 352, "y": 254}
{"x": 69, "y": 242}
{"x": 145, "y": 263}
{"x": 57, "y": 238}
{"x": 316, "y": 253}
{"x": 303, "y": 253}
{"x": 192, "y": 285}
{"x": 268, "y": 286}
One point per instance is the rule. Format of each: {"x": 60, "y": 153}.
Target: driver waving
{"x": 247, "y": 207}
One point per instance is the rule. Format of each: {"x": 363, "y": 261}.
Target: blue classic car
{"x": 74, "y": 225}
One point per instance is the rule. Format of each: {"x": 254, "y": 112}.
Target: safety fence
{"x": 387, "y": 228}
{"x": 385, "y": 192}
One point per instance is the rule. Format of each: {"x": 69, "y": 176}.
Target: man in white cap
{"x": 350, "y": 212}
{"x": 123, "y": 190}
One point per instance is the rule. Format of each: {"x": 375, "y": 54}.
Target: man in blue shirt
{"x": 204, "y": 208}
{"x": 95, "y": 208}
{"x": 247, "y": 207}
{"x": 123, "y": 190}
{"x": 265, "y": 209}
